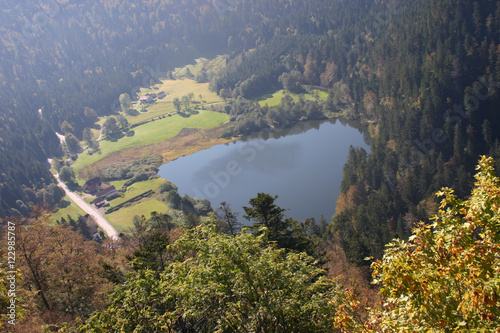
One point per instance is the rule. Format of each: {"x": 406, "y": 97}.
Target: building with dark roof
{"x": 107, "y": 193}
{"x": 92, "y": 186}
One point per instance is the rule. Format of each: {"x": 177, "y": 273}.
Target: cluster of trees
{"x": 169, "y": 193}
{"x": 83, "y": 225}
{"x": 113, "y": 125}
{"x": 60, "y": 273}
{"x": 184, "y": 102}
{"x": 436, "y": 112}
{"x": 133, "y": 171}
{"x": 251, "y": 117}
{"x": 162, "y": 277}
{"x": 222, "y": 283}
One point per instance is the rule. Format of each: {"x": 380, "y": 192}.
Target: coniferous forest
{"x": 423, "y": 76}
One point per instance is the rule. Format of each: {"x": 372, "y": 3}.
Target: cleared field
{"x": 182, "y": 87}
{"x": 72, "y": 210}
{"x": 174, "y": 89}
{"x": 202, "y": 63}
{"x": 275, "y": 99}
{"x": 134, "y": 190}
{"x": 154, "y": 132}
{"x": 122, "y": 219}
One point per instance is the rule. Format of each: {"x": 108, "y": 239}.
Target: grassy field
{"x": 72, "y": 209}
{"x": 154, "y": 132}
{"x": 202, "y": 63}
{"x": 134, "y": 190}
{"x": 122, "y": 219}
{"x": 174, "y": 89}
{"x": 275, "y": 99}
{"x": 151, "y": 133}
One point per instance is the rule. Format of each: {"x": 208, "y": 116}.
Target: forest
{"x": 278, "y": 275}
{"x": 424, "y": 76}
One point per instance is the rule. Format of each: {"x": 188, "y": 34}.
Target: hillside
{"x": 73, "y": 60}
{"x": 423, "y": 76}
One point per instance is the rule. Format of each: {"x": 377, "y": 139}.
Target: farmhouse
{"x": 100, "y": 202}
{"x": 92, "y": 186}
{"x": 108, "y": 193}
{"x": 146, "y": 99}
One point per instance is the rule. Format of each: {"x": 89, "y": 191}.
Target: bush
{"x": 173, "y": 199}
{"x": 138, "y": 170}
{"x": 167, "y": 186}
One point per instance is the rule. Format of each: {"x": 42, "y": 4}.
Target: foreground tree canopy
{"x": 447, "y": 277}
{"x": 221, "y": 283}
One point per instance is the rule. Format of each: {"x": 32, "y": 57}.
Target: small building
{"x": 152, "y": 95}
{"x": 107, "y": 193}
{"x": 144, "y": 110}
{"x": 146, "y": 99}
{"x": 92, "y": 186}
{"x": 100, "y": 202}
{"x": 162, "y": 94}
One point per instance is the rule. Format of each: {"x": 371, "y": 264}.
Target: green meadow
{"x": 70, "y": 208}
{"x": 134, "y": 190}
{"x": 275, "y": 98}
{"x": 153, "y": 132}
{"x": 122, "y": 219}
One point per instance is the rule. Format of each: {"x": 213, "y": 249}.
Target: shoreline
{"x": 188, "y": 141}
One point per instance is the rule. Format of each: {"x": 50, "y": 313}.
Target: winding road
{"x": 87, "y": 208}
{"x": 91, "y": 210}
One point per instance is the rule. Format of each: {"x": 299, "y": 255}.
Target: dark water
{"x": 302, "y": 165}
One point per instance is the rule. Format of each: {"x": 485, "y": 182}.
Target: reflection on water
{"x": 302, "y": 165}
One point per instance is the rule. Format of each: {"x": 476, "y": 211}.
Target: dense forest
{"x": 69, "y": 62}
{"x": 277, "y": 276}
{"x": 424, "y": 76}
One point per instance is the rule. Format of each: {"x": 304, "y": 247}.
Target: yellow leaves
{"x": 447, "y": 273}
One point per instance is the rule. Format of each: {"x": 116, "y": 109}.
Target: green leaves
{"x": 447, "y": 277}
{"x": 223, "y": 283}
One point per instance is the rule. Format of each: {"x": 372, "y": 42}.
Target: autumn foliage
{"x": 447, "y": 276}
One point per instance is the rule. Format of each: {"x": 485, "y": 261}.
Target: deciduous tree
{"x": 122, "y": 121}
{"x": 87, "y": 136}
{"x": 67, "y": 175}
{"x": 72, "y": 143}
{"x": 177, "y": 104}
{"x": 186, "y": 102}
{"x": 61, "y": 266}
{"x": 109, "y": 126}
{"x": 221, "y": 283}
{"x": 125, "y": 102}
{"x": 447, "y": 276}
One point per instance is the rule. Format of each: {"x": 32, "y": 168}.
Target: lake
{"x": 302, "y": 165}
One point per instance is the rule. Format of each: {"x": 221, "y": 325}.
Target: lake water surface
{"x": 302, "y": 165}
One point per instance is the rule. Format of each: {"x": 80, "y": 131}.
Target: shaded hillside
{"x": 72, "y": 61}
